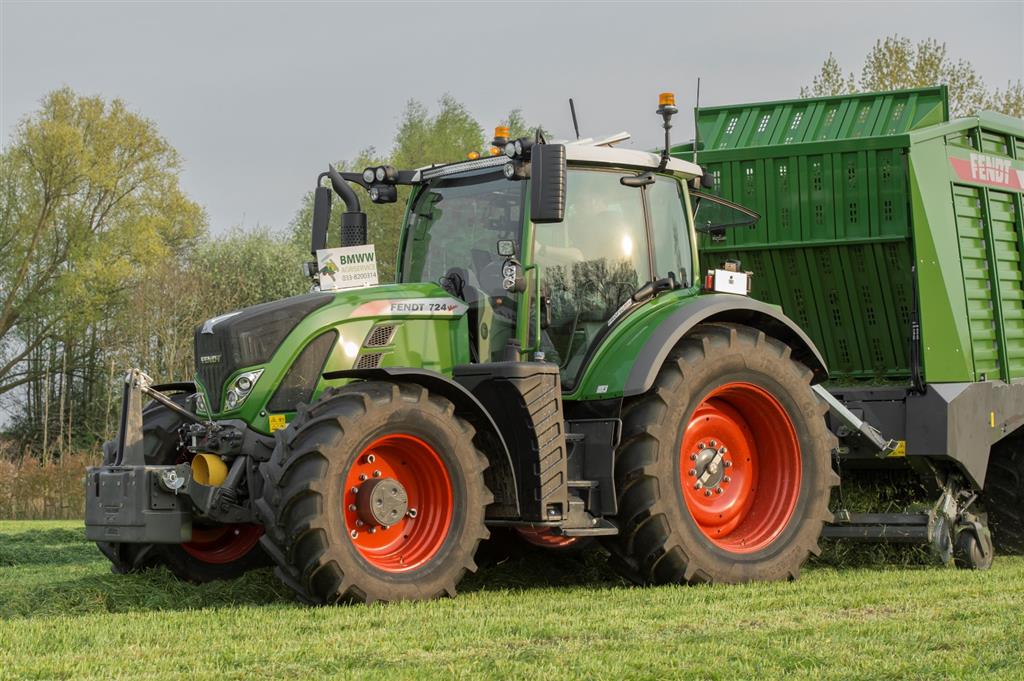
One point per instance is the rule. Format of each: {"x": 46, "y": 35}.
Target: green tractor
{"x": 551, "y": 360}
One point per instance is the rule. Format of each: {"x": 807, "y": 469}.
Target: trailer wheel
{"x": 375, "y": 493}
{"x": 216, "y": 552}
{"x": 1004, "y": 495}
{"x": 724, "y": 472}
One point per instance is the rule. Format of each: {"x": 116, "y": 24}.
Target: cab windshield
{"x": 454, "y": 228}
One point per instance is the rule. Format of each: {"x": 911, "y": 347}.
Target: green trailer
{"x": 894, "y": 237}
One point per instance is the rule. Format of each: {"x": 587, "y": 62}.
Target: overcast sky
{"x": 259, "y": 97}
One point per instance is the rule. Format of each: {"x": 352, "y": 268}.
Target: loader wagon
{"x": 892, "y": 235}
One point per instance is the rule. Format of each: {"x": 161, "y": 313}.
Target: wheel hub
{"x": 709, "y": 467}
{"x": 381, "y": 501}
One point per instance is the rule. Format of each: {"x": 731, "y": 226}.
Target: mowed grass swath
{"x": 587, "y": 343}
{"x": 62, "y": 614}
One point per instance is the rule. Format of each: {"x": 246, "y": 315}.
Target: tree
{"x": 830, "y": 81}
{"x": 895, "y": 62}
{"x": 1009, "y": 101}
{"x": 89, "y": 200}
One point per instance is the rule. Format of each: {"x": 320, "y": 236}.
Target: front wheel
{"x": 375, "y": 493}
{"x": 724, "y": 473}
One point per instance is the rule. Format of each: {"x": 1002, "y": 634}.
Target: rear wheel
{"x": 724, "y": 473}
{"x": 375, "y": 493}
{"x": 215, "y": 552}
{"x": 1004, "y": 495}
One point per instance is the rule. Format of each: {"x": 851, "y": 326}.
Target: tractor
{"x": 550, "y": 360}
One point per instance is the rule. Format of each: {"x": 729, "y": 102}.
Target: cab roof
{"x": 585, "y": 151}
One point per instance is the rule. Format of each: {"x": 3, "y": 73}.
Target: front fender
{"x": 502, "y": 471}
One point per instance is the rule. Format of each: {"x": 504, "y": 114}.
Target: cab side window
{"x": 670, "y": 230}
{"x": 591, "y": 262}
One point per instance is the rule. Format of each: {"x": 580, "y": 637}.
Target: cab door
{"x": 613, "y": 240}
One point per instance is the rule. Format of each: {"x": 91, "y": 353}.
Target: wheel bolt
{"x": 693, "y": 457}
{"x": 723, "y": 450}
{"x": 353, "y": 534}
{"x": 700, "y": 445}
{"x": 726, "y": 478}
{"x": 698, "y": 484}
{"x": 727, "y": 464}
{"x": 712, "y": 444}
{"x": 351, "y": 507}
{"x": 354, "y": 490}
{"x": 362, "y": 477}
{"x": 373, "y": 530}
{"x": 707, "y": 493}
{"x": 376, "y": 474}
{"x": 359, "y": 523}
{"x": 718, "y": 490}
{"x": 370, "y": 458}
{"x": 411, "y": 512}
{"x": 693, "y": 472}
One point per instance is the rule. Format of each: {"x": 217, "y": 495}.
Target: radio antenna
{"x": 575, "y": 124}
{"x": 696, "y": 126}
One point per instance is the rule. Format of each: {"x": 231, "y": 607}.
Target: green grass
{"x": 63, "y": 615}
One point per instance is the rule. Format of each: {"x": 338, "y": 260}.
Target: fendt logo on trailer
{"x": 989, "y": 170}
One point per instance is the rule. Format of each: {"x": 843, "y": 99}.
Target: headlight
{"x": 510, "y": 149}
{"x": 368, "y": 175}
{"x": 240, "y": 388}
{"x": 381, "y": 174}
{"x": 201, "y": 404}
{"x": 510, "y": 170}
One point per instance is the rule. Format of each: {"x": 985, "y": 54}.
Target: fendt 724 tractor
{"x": 552, "y": 359}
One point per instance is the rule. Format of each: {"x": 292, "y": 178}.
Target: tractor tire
{"x": 731, "y": 411}
{"x": 219, "y": 552}
{"x": 1003, "y": 496}
{"x": 374, "y": 493}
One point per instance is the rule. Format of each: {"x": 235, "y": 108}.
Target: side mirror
{"x": 321, "y": 218}
{"x": 548, "y": 173}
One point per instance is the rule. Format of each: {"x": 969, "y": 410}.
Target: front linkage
{"x": 132, "y": 499}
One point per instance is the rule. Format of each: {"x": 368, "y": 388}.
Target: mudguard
{"x": 718, "y": 307}
{"x": 502, "y": 471}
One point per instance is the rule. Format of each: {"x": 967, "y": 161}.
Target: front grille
{"x": 213, "y": 365}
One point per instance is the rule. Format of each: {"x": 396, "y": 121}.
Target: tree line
{"x": 106, "y": 263}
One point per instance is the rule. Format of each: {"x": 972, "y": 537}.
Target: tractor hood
{"x": 271, "y": 357}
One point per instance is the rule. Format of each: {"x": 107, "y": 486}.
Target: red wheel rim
{"x": 222, "y": 544}
{"x": 545, "y": 538}
{"x": 740, "y": 467}
{"x": 418, "y": 533}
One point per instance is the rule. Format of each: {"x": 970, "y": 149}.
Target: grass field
{"x": 63, "y": 615}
